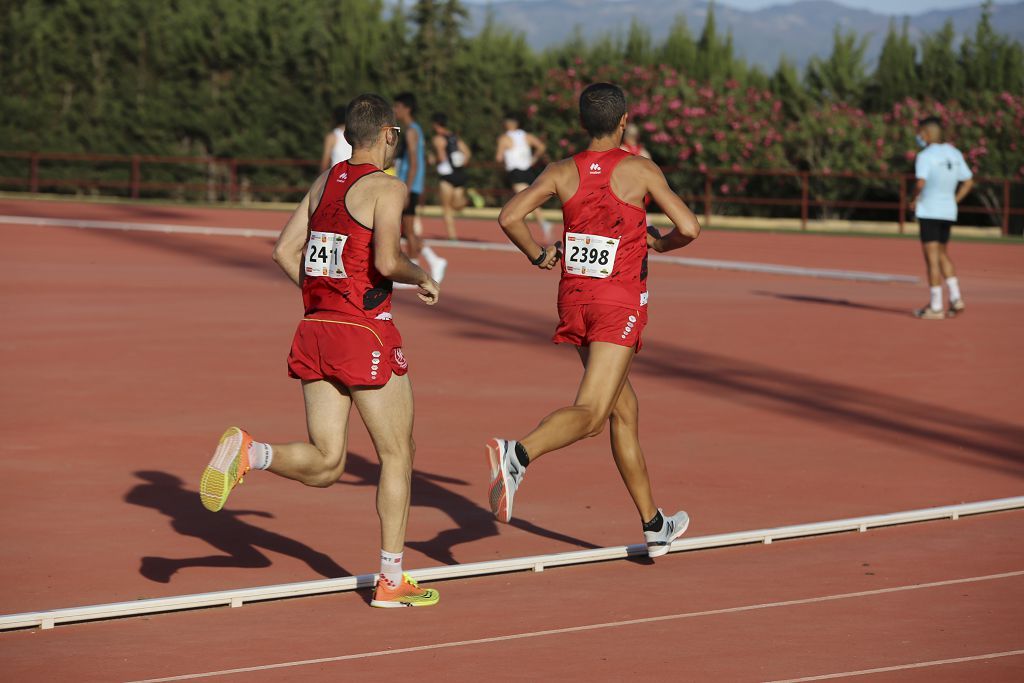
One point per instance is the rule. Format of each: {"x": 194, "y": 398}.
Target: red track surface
{"x": 767, "y": 400}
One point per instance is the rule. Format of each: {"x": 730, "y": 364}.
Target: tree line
{"x": 259, "y": 78}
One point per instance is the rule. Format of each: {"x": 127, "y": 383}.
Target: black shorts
{"x": 414, "y": 201}
{"x": 934, "y": 230}
{"x": 456, "y": 178}
{"x": 520, "y": 175}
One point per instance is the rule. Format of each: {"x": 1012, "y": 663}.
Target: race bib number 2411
{"x": 590, "y": 255}
{"x": 323, "y": 255}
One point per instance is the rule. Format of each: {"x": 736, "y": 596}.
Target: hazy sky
{"x": 898, "y": 7}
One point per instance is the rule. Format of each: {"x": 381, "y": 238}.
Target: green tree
{"x": 638, "y": 49}
{"x": 679, "y": 49}
{"x": 714, "y": 58}
{"x": 991, "y": 61}
{"x": 842, "y": 76}
{"x": 895, "y": 75}
{"x": 941, "y": 75}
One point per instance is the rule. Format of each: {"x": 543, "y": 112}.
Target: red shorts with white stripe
{"x": 583, "y": 324}
{"x": 354, "y": 352}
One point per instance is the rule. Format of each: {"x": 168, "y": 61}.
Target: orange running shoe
{"x": 227, "y": 467}
{"x": 406, "y": 594}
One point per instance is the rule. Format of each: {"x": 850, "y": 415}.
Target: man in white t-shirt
{"x": 336, "y": 147}
{"x": 520, "y": 151}
{"x": 943, "y": 180}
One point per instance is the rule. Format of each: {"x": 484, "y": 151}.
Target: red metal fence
{"x": 236, "y": 179}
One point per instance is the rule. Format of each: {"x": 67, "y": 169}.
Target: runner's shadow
{"x": 240, "y": 542}
{"x": 843, "y": 303}
{"x": 470, "y": 522}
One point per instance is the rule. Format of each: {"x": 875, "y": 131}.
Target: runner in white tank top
{"x": 336, "y": 147}
{"x": 518, "y": 154}
{"x": 520, "y": 151}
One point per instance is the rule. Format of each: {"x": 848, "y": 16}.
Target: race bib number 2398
{"x": 323, "y": 255}
{"x": 590, "y": 255}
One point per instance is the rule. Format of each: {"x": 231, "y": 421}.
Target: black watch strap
{"x": 540, "y": 259}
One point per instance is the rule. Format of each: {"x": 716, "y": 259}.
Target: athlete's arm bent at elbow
{"x": 687, "y": 227}
{"x": 387, "y": 246}
{"x": 499, "y": 151}
{"x": 291, "y": 243}
{"x": 325, "y": 158}
{"x": 964, "y": 189}
{"x": 512, "y": 219}
{"x": 538, "y": 147}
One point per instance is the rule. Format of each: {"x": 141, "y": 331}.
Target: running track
{"x": 767, "y": 400}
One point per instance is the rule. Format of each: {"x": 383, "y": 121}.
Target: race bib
{"x": 323, "y": 255}
{"x": 590, "y": 255}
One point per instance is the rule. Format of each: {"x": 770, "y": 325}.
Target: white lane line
{"x": 167, "y": 228}
{"x": 713, "y": 264}
{"x": 901, "y": 667}
{"x": 588, "y": 627}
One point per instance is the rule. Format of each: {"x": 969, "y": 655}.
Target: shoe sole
{"x": 498, "y": 492}
{"x": 424, "y": 602}
{"x": 659, "y": 550}
{"x": 219, "y": 476}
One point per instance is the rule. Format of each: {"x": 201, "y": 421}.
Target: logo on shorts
{"x": 343, "y": 177}
{"x": 399, "y": 358}
{"x": 595, "y": 168}
{"x": 628, "y": 330}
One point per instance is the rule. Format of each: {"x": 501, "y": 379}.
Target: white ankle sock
{"x": 954, "y": 288}
{"x": 260, "y": 455}
{"x": 936, "y": 298}
{"x": 391, "y": 567}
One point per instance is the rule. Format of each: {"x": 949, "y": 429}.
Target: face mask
{"x": 920, "y": 141}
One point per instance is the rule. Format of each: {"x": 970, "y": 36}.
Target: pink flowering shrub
{"x": 691, "y": 128}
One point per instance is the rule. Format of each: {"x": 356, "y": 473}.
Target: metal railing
{"x": 242, "y": 179}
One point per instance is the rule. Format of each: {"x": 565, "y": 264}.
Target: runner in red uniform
{"x": 342, "y": 247}
{"x": 602, "y": 301}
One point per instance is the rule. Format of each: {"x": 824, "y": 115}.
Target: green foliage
{"x": 258, "y": 78}
{"x": 896, "y": 73}
{"x": 841, "y": 77}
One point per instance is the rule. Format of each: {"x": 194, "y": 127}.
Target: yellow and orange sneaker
{"x": 228, "y": 465}
{"x": 406, "y": 594}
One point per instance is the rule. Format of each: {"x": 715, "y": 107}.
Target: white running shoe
{"x": 658, "y": 542}
{"x": 437, "y": 269}
{"x": 506, "y": 475}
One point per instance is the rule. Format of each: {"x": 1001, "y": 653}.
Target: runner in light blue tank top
{"x": 412, "y": 171}
{"x": 403, "y": 172}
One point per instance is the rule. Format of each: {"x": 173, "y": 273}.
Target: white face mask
{"x": 921, "y": 142}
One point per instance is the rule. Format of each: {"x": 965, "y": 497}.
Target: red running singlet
{"x": 338, "y": 265}
{"x": 605, "y": 238}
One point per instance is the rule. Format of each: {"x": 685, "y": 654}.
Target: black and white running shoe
{"x": 506, "y": 475}
{"x": 658, "y": 542}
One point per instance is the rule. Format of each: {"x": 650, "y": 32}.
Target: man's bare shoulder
{"x": 387, "y": 186}
{"x": 638, "y": 164}
{"x": 562, "y": 167}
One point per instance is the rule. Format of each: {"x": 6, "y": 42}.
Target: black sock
{"x": 521, "y": 455}
{"x": 655, "y": 524}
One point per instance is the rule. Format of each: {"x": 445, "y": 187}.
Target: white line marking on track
{"x": 901, "y": 667}
{"x": 713, "y": 264}
{"x": 588, "y": 627}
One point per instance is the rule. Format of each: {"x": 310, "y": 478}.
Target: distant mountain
{"x": 799, "y": 31}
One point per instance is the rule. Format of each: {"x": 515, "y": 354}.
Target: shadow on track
{"x": 941, "y": 430}
{"x": 239, "y": 542}
{"x": 470, "y": 521}
{"x": 843, "y": 303}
